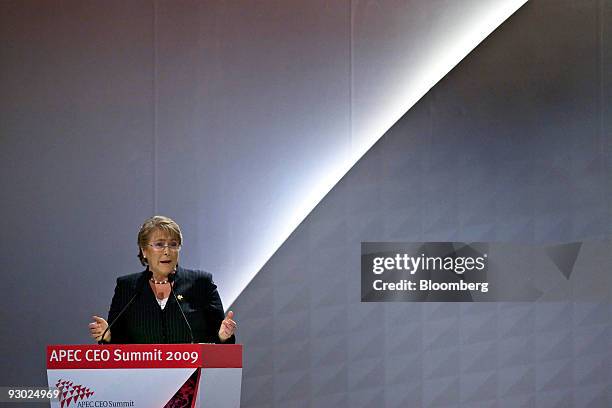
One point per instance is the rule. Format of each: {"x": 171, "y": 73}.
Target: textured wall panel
{"x": 508, "y": 147}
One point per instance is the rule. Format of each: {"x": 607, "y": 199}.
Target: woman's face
{"x": 161, "y": 262}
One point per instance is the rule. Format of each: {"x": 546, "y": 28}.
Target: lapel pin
{"x": 180, "y": 297}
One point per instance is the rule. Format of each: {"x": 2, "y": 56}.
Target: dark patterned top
{"x": 146, "y": 322}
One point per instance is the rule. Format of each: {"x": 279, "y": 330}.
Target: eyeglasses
{"x": 161, "y": 245}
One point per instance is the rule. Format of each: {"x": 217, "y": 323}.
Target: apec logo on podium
{"x": 71, "y": 392}
{"x": 77, "y": 395}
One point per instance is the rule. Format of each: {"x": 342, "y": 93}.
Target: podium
{"x": 145, "y": 375}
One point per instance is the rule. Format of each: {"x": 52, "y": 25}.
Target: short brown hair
{"x": 157, "y": 223}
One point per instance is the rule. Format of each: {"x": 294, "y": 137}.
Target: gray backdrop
{"x": 224, "y": 115}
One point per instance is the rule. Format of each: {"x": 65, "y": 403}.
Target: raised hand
{"x": 97, "y": 327}
{"x": 228, "y": 327}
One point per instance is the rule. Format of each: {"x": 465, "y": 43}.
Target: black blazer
{"x": 145, "y": 322}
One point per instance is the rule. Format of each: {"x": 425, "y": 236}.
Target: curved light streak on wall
{"x": 448, "y": 51}
{"x": 440, "y": 59}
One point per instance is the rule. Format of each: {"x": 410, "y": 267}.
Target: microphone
{"x": 138, "y": 290}
{"x": 171, "y": 280}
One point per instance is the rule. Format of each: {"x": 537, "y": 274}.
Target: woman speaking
{"x": 165, "y": 303}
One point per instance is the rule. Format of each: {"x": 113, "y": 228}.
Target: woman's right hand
{"x": 97, "y": 327}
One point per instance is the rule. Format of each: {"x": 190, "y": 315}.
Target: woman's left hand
{"x": 228, "y": 327}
